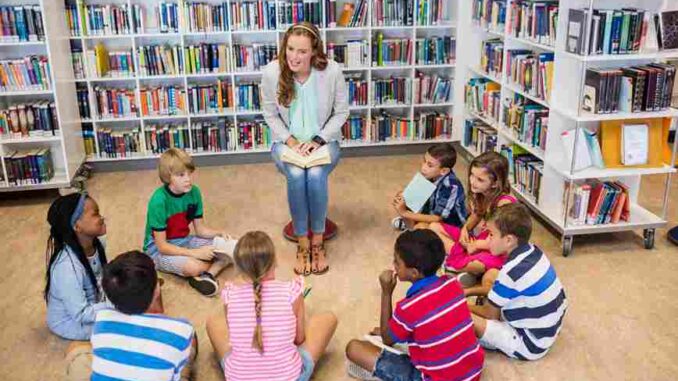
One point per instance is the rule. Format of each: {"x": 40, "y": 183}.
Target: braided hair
{"x": 255, "y": 257}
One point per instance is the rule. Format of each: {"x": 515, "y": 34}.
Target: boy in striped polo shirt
{"x": 527, "y": 302}
{"x": 433, "y": 319}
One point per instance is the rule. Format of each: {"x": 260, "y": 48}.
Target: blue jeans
{"x": 307, "y": 190}
{"x": 393, "y": 367}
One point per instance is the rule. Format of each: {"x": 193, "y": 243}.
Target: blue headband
{"x": 79, "y": 209}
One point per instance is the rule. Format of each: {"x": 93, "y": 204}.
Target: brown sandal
{"x": 305, "y": 256}
{"x": 315, "y": 258}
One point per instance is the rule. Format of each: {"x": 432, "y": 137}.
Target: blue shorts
{"x": 307, "y": 364}
{"x": 174, "y": 264}
{"x": 393, "y": 367}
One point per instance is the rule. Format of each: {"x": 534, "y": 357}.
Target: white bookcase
{"x": 66, "y": 148}
{"x": 565, "y": 114}
{"x": 184, "y": 38}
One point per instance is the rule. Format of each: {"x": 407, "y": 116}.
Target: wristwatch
{"x": 318, "y": 140}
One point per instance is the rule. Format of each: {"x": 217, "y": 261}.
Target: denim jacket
{"x": 72, "y": 302}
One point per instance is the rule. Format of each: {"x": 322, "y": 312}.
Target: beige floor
{"x": 621, "y": 322}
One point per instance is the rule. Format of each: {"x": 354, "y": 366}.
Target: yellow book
{"x": 549, "y": 78}
{"x": 346, "y": 14}
{"x": 101, "y": 55}
{"x": 220, "y": 99}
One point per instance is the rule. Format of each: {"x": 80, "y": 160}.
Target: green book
{"x": 626, "y": 21}
{"x": 380, "y": 42}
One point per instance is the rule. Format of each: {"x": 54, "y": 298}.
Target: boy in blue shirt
{"x": 447, "y": 203}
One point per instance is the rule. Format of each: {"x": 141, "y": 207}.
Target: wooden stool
{"x": 330, "y": 231}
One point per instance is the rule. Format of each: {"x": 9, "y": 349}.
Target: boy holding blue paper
{"x": 443, "y": 200}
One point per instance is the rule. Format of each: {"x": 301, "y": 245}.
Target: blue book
{"x": 417, "y": 192}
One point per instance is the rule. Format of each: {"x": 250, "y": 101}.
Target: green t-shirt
{"x": 172, "y": 213}
{"x": 304, "y": 110}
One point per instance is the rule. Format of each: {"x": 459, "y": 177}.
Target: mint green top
{"x": 304, "y": 110}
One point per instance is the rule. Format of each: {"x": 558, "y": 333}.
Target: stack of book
{"x": 115, "y": 102}
{"x": 253, "y": 134}
{"x": 613, "y": 31}
{"x": 82, "y": 95}
{"x": 253, "y": 15}
{"x": 161, "y": 137}
{"x": 482, "y": 96}
{"x": 106, "y": 20}
{"x": 118, "y": 143}
{"x": 21, "y": 23}
{"x": 491, "y": 56}
{"x": 478, "y": 136}
{"x": 631, "y": 89}
{"x": 534, "y": 20}
{"x": 102, "y": 64}
{"x": 396, "y": 90}
{"x": 28, "y": 167}
{"x": 490, "y": 14}
{"x": 433, "y": 125}
{"x": 526, "y": 121}
{"x": 525, "y": 170}
{"x": 212, "y": 98}
{"x": 162, "y": 101}
{"x": 253, "y": 57}
{"x": 355, "y": 128}
{"x": 247, "y": 97}
{"x": 393, "y": 13}
{"x": 436, "y": 50}
{"x": 88, "y": 139}
{"x": 354, "y": 53}
{"x": 29, "y": 73}
{"x": 29, "y": 120}
{"x": 160, "y": 60}
{"x": 432, "y": 88}
{"x": 201, "y": 17}
{"x": 391, "y": 52}
{"x": 208, "y": 58}
{"x": 595, "y": 202}
{"x": 295, "y": 11}
{"x": 211, "y": 136}
{"x": 433, "y": 12}
{"x": 531, "y": 71}
{"x": 357, "y": 89}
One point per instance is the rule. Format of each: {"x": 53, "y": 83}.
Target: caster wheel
{"x": 648, "y": 235}
{"x": 567, "y": 245}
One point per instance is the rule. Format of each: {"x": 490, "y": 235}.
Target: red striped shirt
{"x": 436, "y": 323}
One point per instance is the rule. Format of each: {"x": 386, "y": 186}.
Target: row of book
{"x": 612, "y": 31}
{"x": 482, "y": 97}
{"x": 525, "y": 170}
{"x": 531, "y": 71}
{"x": 115, "y": 103}
{"x": 491, "y": 57}
{"x": 354, "y": 53}
{"x": 21, "y": 23}
{"x": 205, "y": 17}
{"x": 534, "y": 20}
{"x": 222, "y": 135}
{"x": 166, "y": 13}
{"x": 391, "y": 52}
{"x": 115, "y": 143}
{"x": 162, "y": 101}
{"x": 27, "y": 167}
{"x": 160, "y": 60}
{"x": 631, "y": 89}
{"x": 296, "y": 11}
{"x": 107, "y": 19}
{"x": 393, "y": 13}
{"x": 436, "y": 50}
{"x": 387, "y": 127}
{"x": 102, "y": 63}
{"x": 253, "y": 15}
{"x": 357, "y": 89}
{"x": 595, "y": 202}
{"x": 248, "y": 97}
{"x": 29, "y": 120}
{"x": 528, "y": 122}
{"x": 29, "y": 73}
{"x": 253, "y": 57}
{"x": 432, "y": 88}
{"x": 433, "y": 12}
{"x": 82, "y": 96}
{"x": 490, "y": 14}
{"x": 396, "y": 90}
{"x": 210, "y": 98}
{"x": 208, "y": 58}
{"x": 478, "y": 136}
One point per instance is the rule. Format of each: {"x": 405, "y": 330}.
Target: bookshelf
{"x": 66, "y": 153}
{"x": 239, "y": 34}
{"x": 558, "y": 176}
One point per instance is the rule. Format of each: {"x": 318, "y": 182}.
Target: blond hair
{"x": 254, "y": 258}
{"x": 173, "y": 161}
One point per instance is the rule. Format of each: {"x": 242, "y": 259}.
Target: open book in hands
{"x": 320, "y": 156}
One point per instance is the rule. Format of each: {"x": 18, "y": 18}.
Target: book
{"x": 417, "y": 192}
{"x": 320, "y": 156}
{"x": 582, "y": 154}
{"x": 576, "y": 31}
{"x": 668, "y": 30}
{"x": 635, "y": 144}
{"x": 224, "y": 245}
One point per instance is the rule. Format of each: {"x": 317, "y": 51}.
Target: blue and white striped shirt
{"x": 531, "y": 299}
{"x": 139, "y": 347}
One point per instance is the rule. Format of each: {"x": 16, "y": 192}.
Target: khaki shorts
{"x": 79, "y": 363}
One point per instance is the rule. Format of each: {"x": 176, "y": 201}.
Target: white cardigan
{"x": 332, "y": 102}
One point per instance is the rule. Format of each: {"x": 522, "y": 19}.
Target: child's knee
{"x": 354, "y": 349}
{"x": 194, "y": 267}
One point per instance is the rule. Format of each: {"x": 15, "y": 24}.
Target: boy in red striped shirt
{"x": 433, "y": 320}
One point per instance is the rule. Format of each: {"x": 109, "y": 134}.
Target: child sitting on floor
{"x": 172, "y": 208}
{"x": 263, "y": 333}
{"x": 447, "y": 203}
{"x": 467, "y": 247}
{"x": 76, "y": 257}
{"x": 433, "y": 320}
{"x": 524, "y": 310}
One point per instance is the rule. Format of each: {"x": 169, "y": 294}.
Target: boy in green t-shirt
{"x": 171, "y": 210}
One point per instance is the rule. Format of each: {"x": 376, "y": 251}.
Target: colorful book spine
{"x": 525, "y": 170}
{"x": 429, "y": 125}
{"x": 108, "y": 19}
{"x": 491, "y": 57}
{"x": 203, "y": 17}
{"x": 253, "y": 57}
{"x": 211, "y": 135}
{"x": 253, "y": 15}
{"x": 167, "y": 14}
{"x": 393, "y": 13}
{"x": 391, "y": 91}
{"x": 433, "y": 12}
{"x": 356, "y": 129}
{"x": 28, "y": 120}
{"x": 352, "y": 54}
{"x": 162, "y": 101}
{"x": 78, "y": 62}
{"x": 160, "y": 60}
{"x": 432, "y": 89}
{"x": 482, "y": 97}
{"x": 247, "y": 96}
{"x": 331, "y": 13}
{"x": 28, "y": 167}
{"x": 82, "y": 95}
{"x": 26, "y": 74}
{"x": 208, "y": 58}
{"x": 526, "y": 121}
{"x": 115, "y": 143}
{"x": 479, "y": 137}
{"x": 21, "y": 23}
{"x": 357, "y": 89}
{"x": 161, "y": 137}
{"x": 253, "y": 134}
{"x": 490, "y": 14}
{"x": 138, "y": 19}
{"x": 534, "y": 20}
{"x": 73, "y": 20}
{"x": 88, "y": 139}
{"x": 391, "y": 52}
{"x": 115, "y": 103}
{"x": 531, "y": 71}
{"x": 436, "y": 50}
{"x": 295, "y": 11}
{"x": 433, "y": 125}
{"x": 210, "y": 98}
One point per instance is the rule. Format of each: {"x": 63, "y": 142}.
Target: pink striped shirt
{"x": 280, "y": 360}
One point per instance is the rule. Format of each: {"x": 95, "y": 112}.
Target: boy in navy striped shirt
{"x": 527, "y": 303}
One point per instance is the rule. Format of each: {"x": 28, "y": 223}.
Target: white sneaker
{"x": 398, "y": 223}
{"x": 356, "y": 371}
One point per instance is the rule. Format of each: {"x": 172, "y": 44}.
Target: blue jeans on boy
{"x": 307, "y": 190}
{"x": 394, "y": 367}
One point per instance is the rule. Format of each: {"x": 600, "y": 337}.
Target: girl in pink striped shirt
{"x": 262, "y": 334}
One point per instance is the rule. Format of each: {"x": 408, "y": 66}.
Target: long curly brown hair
{"x": 286, "y": 91}
{"x": 496, "y": 166}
